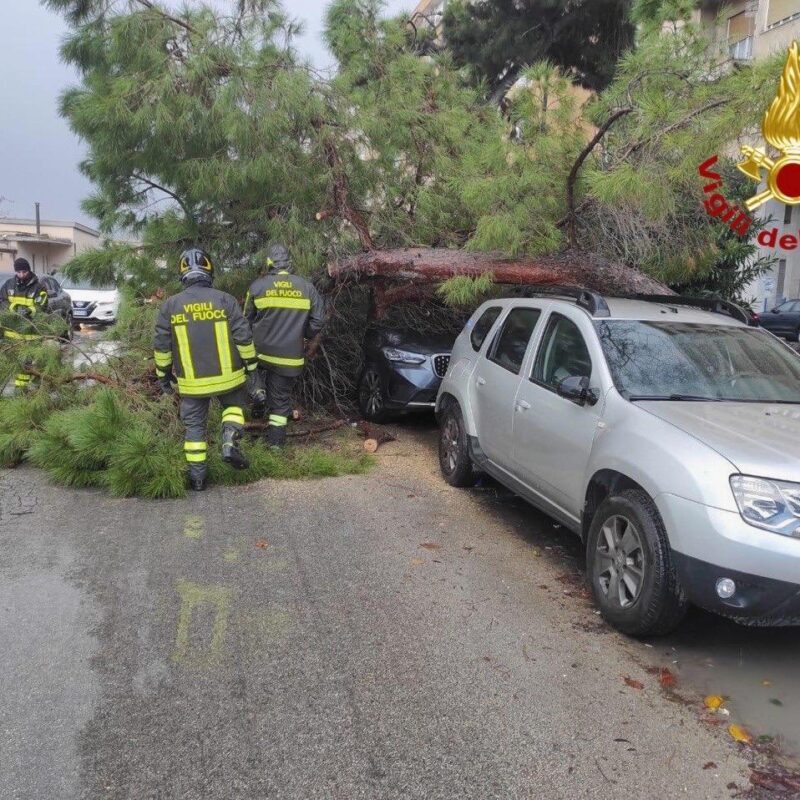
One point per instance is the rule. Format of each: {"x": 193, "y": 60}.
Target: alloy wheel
{"x": 372, "y": 394}
{"x": 450, "y": 436}
{"x": 619, "y": 561}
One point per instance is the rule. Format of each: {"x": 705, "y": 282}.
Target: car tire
{"x": 69, "y": 332}
{"x": 630, "y": 567}
{"x": 454, "y": 459}
{"x": 372, "y": 396}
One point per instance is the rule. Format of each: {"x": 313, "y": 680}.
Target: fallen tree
{"x": 426, "y": 265}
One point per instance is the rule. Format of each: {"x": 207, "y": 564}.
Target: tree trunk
{"x": 433, "y": 265}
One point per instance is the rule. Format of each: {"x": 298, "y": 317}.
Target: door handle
{"x": 481, "y": 381}
{"x": 523, "y": 405}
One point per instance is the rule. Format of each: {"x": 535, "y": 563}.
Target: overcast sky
{"x": 38, "y": 152}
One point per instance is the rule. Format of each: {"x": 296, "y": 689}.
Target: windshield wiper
{"x": 690, "y": 398}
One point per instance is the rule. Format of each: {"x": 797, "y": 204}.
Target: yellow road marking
{"x": 192, "y": 596}
{"x": 194, "y": 527}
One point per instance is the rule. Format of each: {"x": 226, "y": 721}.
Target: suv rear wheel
{"x": 454, "y": 460}
{"x": 630, "y": 567}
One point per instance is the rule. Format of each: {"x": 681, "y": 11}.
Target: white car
{"x": 97, "y": 304}
{"x": 666, "y": 436}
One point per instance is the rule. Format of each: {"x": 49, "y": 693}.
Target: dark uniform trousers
{"x": 278, "y": 387}
{"x": 194, "y": 415}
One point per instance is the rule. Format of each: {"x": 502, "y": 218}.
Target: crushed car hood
{"x": 758, "y": 438}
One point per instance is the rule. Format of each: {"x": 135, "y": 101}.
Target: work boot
{"x": 230, "y": 448}
{"x": 197, "y": 477}
{"x": 276, "y": 436}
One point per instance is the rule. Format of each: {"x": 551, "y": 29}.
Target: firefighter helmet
{"x": 195, "y": 262}
{"x": 278, "y": 257}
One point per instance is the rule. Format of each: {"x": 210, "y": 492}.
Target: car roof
{"x": 626, "y": 308}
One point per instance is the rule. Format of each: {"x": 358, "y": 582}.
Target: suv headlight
{"x": 402, "y": 356}
{"x": 771, "y": 505}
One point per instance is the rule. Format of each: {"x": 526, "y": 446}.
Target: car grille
{"x": 441, "y": 363}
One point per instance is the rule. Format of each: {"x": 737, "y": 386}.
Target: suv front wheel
{"x": 630, "y": 567}
{"x": 454, "y": 460}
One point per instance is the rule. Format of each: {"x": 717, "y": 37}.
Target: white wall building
{"x": 47, "y": 248}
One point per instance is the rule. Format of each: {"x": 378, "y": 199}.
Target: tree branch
{"x": 341, "y": 191}
{"x": 573, "y": 173}
{"x": 153, "y": 185}
{"x": 673, "y": 127}
{"x": 160, "y": 11}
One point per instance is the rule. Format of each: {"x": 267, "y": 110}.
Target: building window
{"x": 787, "y": 215}
{"x": 781, "y": 11}
{"x": 740, "y": 36}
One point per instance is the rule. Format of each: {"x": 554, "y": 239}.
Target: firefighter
{"x": 202, "y": 335}
{"x": 25, "y": 296}
{"x": 284, "y": 310}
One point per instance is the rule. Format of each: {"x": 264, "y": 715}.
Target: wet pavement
{"x": 373, "y": 636}
{"x": 756, "y": 670}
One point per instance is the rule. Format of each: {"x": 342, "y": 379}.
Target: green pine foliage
{"x": 464, "y": 291}
{"x": 105, "y": 442}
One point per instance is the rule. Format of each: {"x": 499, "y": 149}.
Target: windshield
{"x": 680, "y": 361}
{"x": 69, "y": 283}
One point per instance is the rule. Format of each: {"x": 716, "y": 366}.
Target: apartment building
{"x": 429, "y": 13}
{"x": 745, "y": 30}
{"x": 47, "y": 244}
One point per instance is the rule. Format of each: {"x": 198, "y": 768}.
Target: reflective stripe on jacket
{"x": 24, "y": 300}
{"x": 284, "y": 309}
{"x": 202, "y": 335}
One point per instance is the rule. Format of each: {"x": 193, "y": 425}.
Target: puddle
{"x": 758, "y": 669}
{"x": 91, "y": 347}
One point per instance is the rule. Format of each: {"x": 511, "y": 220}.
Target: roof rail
{"x": 591, "y": 301}
{"x": 714, "y": 304}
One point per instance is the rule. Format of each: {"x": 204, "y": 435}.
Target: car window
{"x": 719, "y": 362}
{"x": 483, "y": 326}
{"x": 511, "y": 342}
{"x": 787, "y": 306}
{"x": 562, "y": 353}
{"x": 56, "y": 286}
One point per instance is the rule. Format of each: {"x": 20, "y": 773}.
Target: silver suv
{"x": 666, "y": 436}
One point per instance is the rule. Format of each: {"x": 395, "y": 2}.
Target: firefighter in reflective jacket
{"x": 24, "y": 296}
{"x": 284, "y": 309}
{"x": 202, "y": 335}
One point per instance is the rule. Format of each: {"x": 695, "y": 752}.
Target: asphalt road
{"x": 297, "y": 640}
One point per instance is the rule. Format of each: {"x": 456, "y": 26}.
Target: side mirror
{"x": 775, "y": 310}
{"x": 576, "y": 388}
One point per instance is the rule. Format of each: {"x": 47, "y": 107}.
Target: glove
{"x": 166, "y": 384}
{"x": 256, "y": 391}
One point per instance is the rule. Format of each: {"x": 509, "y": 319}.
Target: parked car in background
{"x": 95, "y": 304}
{"x": 402, "y": 371}
{"x": 667, "y": 437}
{"x": 58, "y": 301}
{"x": 783, "y": 320}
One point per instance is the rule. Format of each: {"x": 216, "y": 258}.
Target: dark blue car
{"x": 784, "y": 320}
